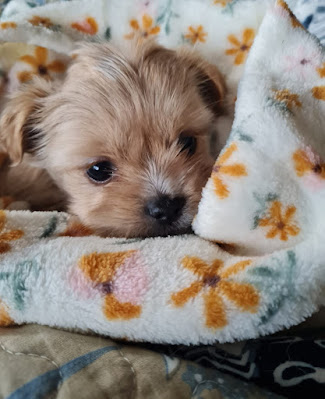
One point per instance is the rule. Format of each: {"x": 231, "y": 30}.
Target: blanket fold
{"x": 263, "y": 202}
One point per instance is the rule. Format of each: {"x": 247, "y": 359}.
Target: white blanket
{"x": 264, "y": 200}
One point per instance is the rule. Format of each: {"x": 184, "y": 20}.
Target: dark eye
{"x": 188, "y": 144}
{"x": 101, "y": 172}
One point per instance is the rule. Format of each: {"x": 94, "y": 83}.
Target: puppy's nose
{"x": 165, "y": 209}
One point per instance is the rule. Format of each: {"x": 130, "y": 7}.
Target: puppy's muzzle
{"x": 164, "y": 209}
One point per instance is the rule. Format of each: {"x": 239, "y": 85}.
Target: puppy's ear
{"x": 211, "y": 87}
{"x": 210, "y": 82}
{"x": 18, "y": 132}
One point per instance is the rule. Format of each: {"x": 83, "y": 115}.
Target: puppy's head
{"x": 126, "y": 135}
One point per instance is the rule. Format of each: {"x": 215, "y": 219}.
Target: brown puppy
{"x": 126, "y": 135}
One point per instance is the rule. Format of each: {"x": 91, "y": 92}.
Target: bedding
{"x": 257, "y": 269}
{"x": 290, "y": 364}
{"x": 256, "y": 263}
{"x": 47, "y": 363}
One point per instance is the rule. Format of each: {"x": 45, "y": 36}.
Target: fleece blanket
{"x": 256, "y": 263}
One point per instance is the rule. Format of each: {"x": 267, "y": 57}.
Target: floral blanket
{"x": 256, "y": 263}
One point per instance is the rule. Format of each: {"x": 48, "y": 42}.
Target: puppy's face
{"x": 126, "y": 136}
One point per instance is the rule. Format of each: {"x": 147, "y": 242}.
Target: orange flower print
{"x": 146, "y": 29}
{"x": 241, "y": 48}
{"x": 214, "y": 282}
{"x": 40, "y": 21}
{"x": 319, "y": 92}
{"x": 222, "y": 3}
{"x": 321, "y": 71}
{"x": 5, "y": 319}
{"x": 120, "y": 278}
{"x": 290, "y": 100}
{"x": 76, "y": 229}
{"x": 88, "y": 26}
{"x": 8, "y": 25}
{"x": 307, "y": 162}
{"x": 280, "y": 222}
{"x": 234, "y": 170}
{"x": 7, "y": 236}
{"x": 294, "y": 22}
{"x": 196, "y": 34}
{"x": 39, "y": 65}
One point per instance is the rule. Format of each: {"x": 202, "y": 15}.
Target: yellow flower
{"x": 5, "y": 319}
{"x": 145, "y": 30}
{"x": 89, "y": 26}
{"x": 294, "y": 22}
{"x": 289, "y": 99}
{"x": 6, "y": 236}
{"x": 8, "y": 25}
{"x": 196, "y": 34}
{"x": 242, "y": 47}
{"x": 221, "y": 3}
{"x": 76, "y": 229}
{"x": 40, "y": 21}
{"x": 303, "y": 164}
{"x": 101, "y": 269}
{"x": 280, "y": 222}
{"x": 234, "y": 170}
{"x": 213, "y": 282}
{"x": 319, "y": 92}
{"x": 39, "y": 65}
{"x": 321, "y": 71}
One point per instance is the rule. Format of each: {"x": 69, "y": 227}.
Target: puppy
{"x": 125, "y": 136}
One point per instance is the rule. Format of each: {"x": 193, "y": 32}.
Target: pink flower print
{"x": 130, "y": 282}
{"x": 314, "y": 183}
{"x": 79, "y": 284}
{"x": 118, "y": 276}
{"x": 303, "y": 62}
{"x": 310, "y": 167}
{"x": 145, "y": 4}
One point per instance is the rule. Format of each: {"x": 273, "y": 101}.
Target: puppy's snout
{"x": 165, "y": 209}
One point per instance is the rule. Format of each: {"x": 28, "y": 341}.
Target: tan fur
{"x": 21, "y": 179}
{"x": 128, "y": 106}
{"x": 33, "y": 185}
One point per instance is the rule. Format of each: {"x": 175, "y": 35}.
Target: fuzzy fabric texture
{"x": 263, "y": 202}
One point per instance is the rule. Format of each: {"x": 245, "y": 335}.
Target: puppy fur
{"x": 128, "y": 106}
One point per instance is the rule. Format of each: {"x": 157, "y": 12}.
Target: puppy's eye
{"x": 101, "y": 172}
{"x": 187, "y": 143}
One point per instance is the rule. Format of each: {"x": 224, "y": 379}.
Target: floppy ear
{"x": 211, "y": 87}
{"x": 210, "y": 82}
{"x": 18, "y": 132}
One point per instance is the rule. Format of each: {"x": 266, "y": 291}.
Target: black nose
{"x": 165, "y": 209}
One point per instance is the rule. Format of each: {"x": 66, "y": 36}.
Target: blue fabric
{"x": 44, "y": 384}
{"x": 311, "y": 14}
{"x": 317, "y": 27}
